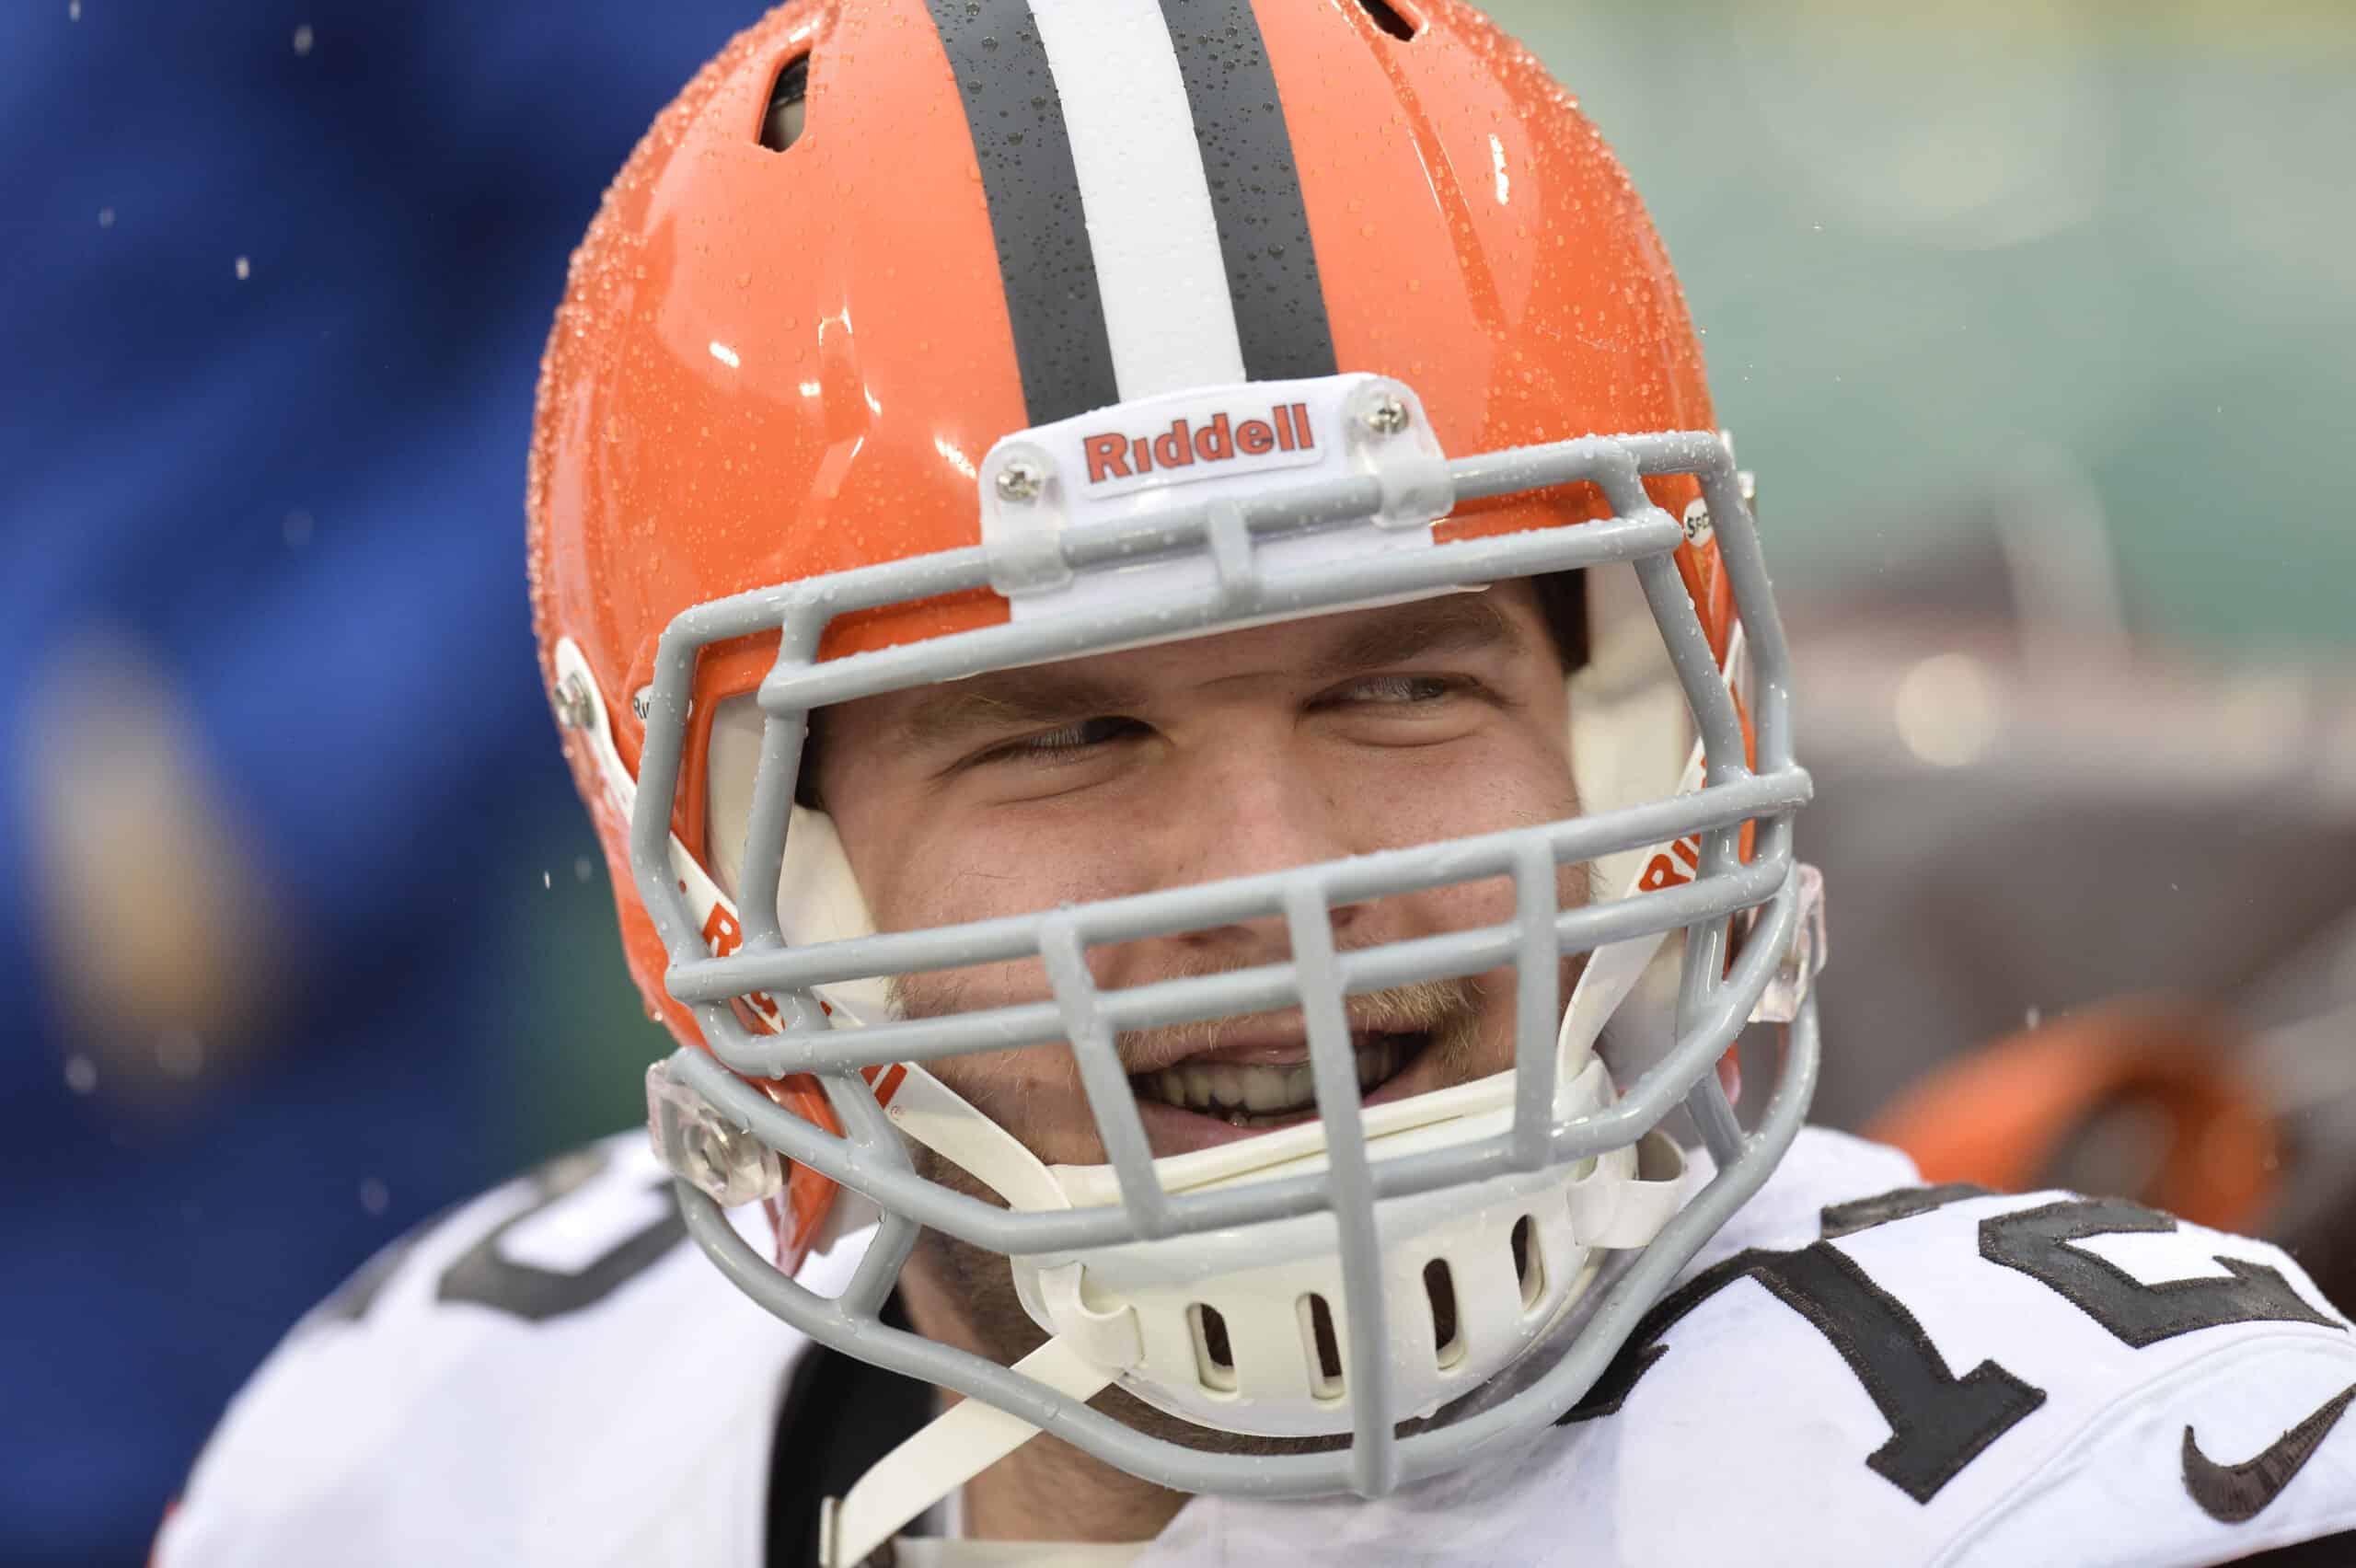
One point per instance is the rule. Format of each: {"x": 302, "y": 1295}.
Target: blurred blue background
{"x": 307, "y": 931}
{"x": 274, "y": 292}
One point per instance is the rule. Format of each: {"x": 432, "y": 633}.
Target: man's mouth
{"x": 1266, "y": 1086}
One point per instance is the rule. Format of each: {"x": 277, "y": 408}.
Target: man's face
{"x": 1247, "y": 752}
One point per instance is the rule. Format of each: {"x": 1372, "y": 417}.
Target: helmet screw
{"x": 572, "y": 706}
{"x": 703, "y": 1152}
{"x": 1386, "y": 413}
{"x": 1019, "y": 480}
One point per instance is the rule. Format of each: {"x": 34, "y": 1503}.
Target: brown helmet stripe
{"x": 1044, "y": 263}
{"x": 1255, "y": 189}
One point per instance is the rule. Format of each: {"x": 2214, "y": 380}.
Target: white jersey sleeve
{"x": 1860, "y": 1370}
{"x": 550, "y": 1374}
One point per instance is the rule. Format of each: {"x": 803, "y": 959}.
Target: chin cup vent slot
{"x": 1324, "y": 1346}
{"x": 1400, "y": 24}
{"x": 1448, "y": 1339}
{"x": 788, "y": 105}
{"x": 1528, "y": 1262}
{"x": 1214, "y": 1355}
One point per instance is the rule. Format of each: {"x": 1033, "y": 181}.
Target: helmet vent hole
{"x": 789, "y": 107}
{"x": 1388, "y": 17}
{"x": 1214, "y": 1357}
{"x": 1325, "y": 1346}
{"x": 1439, "y": 1286}
{"x": 1529, "y": 1264}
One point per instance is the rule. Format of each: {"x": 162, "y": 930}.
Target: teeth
{"x": 1248, "y": 1094}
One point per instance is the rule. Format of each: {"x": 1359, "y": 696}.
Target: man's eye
{"x": 1049, "y": 745}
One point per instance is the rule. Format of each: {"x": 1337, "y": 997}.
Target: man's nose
{"x": 1248, "y": 811}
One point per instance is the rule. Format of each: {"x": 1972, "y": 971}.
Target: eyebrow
{"x": 1046, "y": 696}
{"x": 1011, "y": 700}
{"x": 1453, "y": 623}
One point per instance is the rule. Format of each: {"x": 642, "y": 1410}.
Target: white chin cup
{"x": 1245, "y": 1330}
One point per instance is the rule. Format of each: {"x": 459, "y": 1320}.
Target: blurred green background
{"x": 1925, "y": 238}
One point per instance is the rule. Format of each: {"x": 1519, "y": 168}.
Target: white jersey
{"x": 1856, "y": 1371}
{"x": 1860, "y": 1371}
{"x": 550, "y": 1374}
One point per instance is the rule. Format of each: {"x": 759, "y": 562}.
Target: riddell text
{"x": 1116, "y": 456}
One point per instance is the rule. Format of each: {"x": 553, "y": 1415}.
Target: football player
{"x": 1192, "y": 739}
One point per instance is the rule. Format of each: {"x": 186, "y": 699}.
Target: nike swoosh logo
{"x": 2232, "y": 1494}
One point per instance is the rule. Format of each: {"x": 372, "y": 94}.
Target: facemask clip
{"x": 1780, "y": 1003}
{"x": 698, "y": 1145}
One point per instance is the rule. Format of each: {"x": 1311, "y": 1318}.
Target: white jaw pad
{"x": 818, "y": 899}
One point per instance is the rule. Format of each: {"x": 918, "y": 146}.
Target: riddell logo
{"x": 1116, "y": 456}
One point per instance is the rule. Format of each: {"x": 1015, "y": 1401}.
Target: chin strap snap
{"x": 1626, "y": 1208}
{"x": 1803, "y": 960}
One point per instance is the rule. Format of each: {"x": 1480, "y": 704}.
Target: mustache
{"x": 1419, "y": 1007}
{"x": 1444, "y": 1009}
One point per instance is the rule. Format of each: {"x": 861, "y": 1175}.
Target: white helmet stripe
{"x": 1158, "y": 268}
